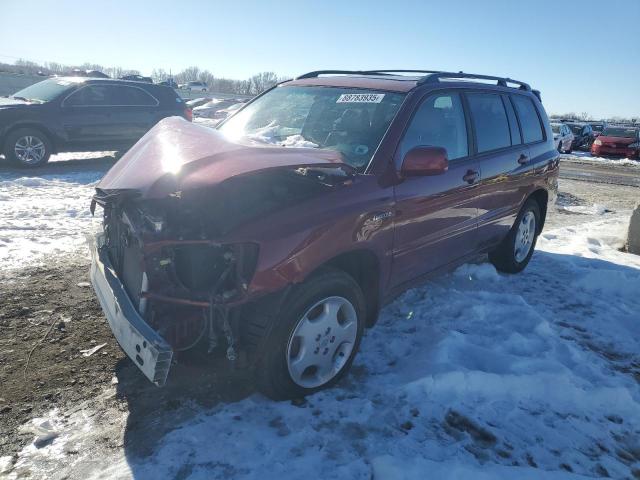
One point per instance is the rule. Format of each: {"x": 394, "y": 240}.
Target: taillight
{"x": 188, "y": 114}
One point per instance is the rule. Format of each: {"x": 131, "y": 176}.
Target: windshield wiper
{"x": 21, "y": 98}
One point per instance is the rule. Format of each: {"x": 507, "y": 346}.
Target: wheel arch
{"x": 541, "y": 197}
{"x": 363, "y": 266}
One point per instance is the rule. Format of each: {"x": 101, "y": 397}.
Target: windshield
{"x": 621, "y": 132}
{"x": 577, "y": 129}
{"x": 351, "y": 121}
{"x": 555, "y": 128}
{"x": 597, "y": 127}
{"x": 44, "y": 91}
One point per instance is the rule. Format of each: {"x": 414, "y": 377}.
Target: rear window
{"x": 490, "y": 121}
{"x": 529, "y": 120}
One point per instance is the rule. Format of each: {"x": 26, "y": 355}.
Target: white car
{"x": 562, "y": 137}
{"x": 194, "y": 86}
{"x": 217, "y": 108}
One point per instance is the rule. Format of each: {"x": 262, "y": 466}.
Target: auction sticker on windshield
{"x": 360, "y": 98}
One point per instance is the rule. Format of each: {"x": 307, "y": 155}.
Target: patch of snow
{"x": 298, "y": 141}
{"x": 595, "y": 209}
{"x": 44, "y": 215}
{"x": 476, "y": 375}
{"x": 578, "y": 155}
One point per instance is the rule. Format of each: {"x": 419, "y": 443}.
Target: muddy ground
{"x": 48, "y": 315}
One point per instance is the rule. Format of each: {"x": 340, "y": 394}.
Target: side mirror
{"x": 425, "y": 161}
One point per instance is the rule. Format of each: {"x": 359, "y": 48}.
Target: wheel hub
{"x": 321, "y": 342}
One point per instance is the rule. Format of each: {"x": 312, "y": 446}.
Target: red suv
{"x": 278, "y": 236}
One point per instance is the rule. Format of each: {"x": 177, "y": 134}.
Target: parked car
{"x": 277, "y": 237}
{"x": 196, "y": 102}
{"x": 81, "y": 114}
{"x": 76, "y": 72}
{"x": 137, "y": 78}
{"x": 583, "y": 135}
{"x": 211, "y": 108}
{"x": 169, "y": 82}
{"x": 617, "y": 141}
{"x": 562, "y": 136}
{"x": 194, "y": 86}
{"x": 597, "y": 127}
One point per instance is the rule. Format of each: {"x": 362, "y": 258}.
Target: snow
{"x": 581, "y": 156}
{"x": 42, "y": 216}
{"x": 475, "y": 375}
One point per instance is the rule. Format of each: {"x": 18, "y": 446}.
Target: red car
{"x": 277, "y": 237}
{"x": 617, "y": 141}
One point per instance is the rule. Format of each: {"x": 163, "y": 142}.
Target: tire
{"x": 509, "y": 257}
{"x": 301, "y": 331}
{"x": 25, "y": 138}
{"x": 560, "y": 147}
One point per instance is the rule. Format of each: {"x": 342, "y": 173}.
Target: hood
{"x": 177, "y": 155}
{"x": 620, "y": 140}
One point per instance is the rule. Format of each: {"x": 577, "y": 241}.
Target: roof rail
{"x": 432, "y": 76}
{"x": 388, "y": 72}
{"x": 501, "y": 81}
{"x": 317, "y": 73}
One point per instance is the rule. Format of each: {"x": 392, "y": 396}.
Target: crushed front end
{"x": 163, "y": 285}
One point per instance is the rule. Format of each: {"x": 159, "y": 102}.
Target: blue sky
{"x": 583, "y": 55}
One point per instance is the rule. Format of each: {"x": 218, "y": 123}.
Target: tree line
{"x": 251, "y": 86}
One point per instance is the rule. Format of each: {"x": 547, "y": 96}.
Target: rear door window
{"x": 489, "y": 121}
{"x": 529, "y": 119}
{"x": 131, "y": 96}
{"x": 439, "y": 122}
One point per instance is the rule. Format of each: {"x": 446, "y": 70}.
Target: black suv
{"x": 81, "y": 114}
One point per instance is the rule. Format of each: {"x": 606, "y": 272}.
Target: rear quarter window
{"x": 489, "y": 121}
{"x": 529, "y": 119}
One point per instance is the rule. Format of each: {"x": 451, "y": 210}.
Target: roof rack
{"x": 431, "y": 76}
{"x": 500, "y": 81}
{"x": 317, "y": 73}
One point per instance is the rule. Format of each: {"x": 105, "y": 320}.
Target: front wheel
{"x": 27, "y": 148}
{"x": 316, "y": 338}
{"x": 515, "y": 251}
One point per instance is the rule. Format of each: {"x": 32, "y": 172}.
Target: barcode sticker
{"x": 360, "y": 98}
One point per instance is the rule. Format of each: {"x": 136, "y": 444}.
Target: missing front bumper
{"x": 148, "y": 350}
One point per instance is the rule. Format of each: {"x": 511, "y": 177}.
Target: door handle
{"x": 471, "y": 176}
{"x": 523, "y": 159}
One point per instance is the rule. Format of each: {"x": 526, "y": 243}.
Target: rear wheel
{"x": 27, "y": 147}
{"x": 316, "y": 338}
{"x": 515, "y": 251}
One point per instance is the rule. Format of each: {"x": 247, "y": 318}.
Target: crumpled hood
{"x": 177, "y": 155}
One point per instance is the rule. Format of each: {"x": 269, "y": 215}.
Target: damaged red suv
{"x": 278, "y": 236}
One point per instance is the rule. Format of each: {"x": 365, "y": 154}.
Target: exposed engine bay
{"x": 183, "y": 281}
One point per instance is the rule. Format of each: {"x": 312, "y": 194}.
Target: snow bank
{"x": 476, "y": 375}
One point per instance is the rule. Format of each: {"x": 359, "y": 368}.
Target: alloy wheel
{"x": 29, "y": 149}
{"x": 322, "y": 342}
{"x": 525, "y": 236}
